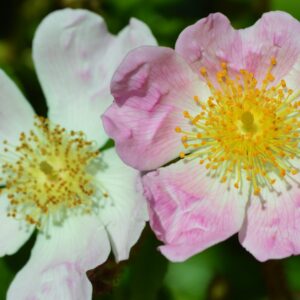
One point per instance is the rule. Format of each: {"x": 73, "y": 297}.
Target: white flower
{"x": 83, "y": 203}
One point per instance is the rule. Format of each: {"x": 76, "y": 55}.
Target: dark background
{"x": 225, "y": 271}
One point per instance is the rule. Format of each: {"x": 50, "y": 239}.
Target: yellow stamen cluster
{"x": 49, "y": 174}
{"x": 245, "y": 130}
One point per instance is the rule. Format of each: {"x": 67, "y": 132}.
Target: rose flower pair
{"x": 208, "y": 136}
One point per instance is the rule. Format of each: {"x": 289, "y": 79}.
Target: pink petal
{"x": 190, "y": 211}
{"x": 75, "y": 57}
{"x": 152, "y": 87}
{"x": 272, "y": 224}
{"x": 212, "y": 40}
{"x": 271, "y": 36}
{"x": 209, "y": 42}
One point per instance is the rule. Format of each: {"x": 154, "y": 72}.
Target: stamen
{"x": 245, "y": 131}
{"x": 49, "y": 175}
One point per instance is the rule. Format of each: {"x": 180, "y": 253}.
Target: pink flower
{"x": 82, "y": 202}
{"x": 219, "y": 118}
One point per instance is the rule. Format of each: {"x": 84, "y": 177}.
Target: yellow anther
{"x": 245, "y": 127}
{"x": 223, "y": 179}
{"x": 257, "y": 191}
{"x": 203, "y": 71}
{"x": 196, "y": 99}
{"x": 270, "y": 77}
{"x": 224, "y": 65}
{"x": 186, "y": 114}
{"x": 294, "y": 171}
{"x": 282, "y": 172}
{"x": 273, "y": 61}
{"x": 184, "y": 138}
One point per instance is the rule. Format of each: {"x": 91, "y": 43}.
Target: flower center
{"x": 245, "y": 131}
{"x": 49, "y": 175}
{"x": 248, "y": 122}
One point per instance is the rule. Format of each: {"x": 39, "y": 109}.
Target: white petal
{"x": 132, "y": 36}
{"x": 75, "y": 57}
{"x": 125, "y": 217}
{"x": 13, "y": 233}
{"x": 16, "y": 114}
{"x": 57, "y": 266}
{"x": 55, "y": 282}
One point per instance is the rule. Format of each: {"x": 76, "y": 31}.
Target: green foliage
{"x": 290, "y": 6}
{"x": 6, "y": 276}
{"x": 190, "y": 280}
{"x": 10, "y": 265}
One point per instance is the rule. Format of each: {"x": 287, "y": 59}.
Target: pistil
{"x": 245, "y": 131}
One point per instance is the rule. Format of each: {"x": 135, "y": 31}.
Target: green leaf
{"x": 148, "y": 270}
{"x": 6, "y": 276}
{"x": 189, "y": 280}
{"x": 292, "y": 267}
{"x": 290, "y": 6}
{"x": 11, "y": 264}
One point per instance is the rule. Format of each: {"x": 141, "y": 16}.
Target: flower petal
{"x": 16, "y": 114}
{"x": 271, "y": 36}
{"x": 190, "y": 211}
{"x": 209, "y": 42}
{"x": 13, "y": 233}
{"x": 75, "y": 57}
{"x": 61, "y": 282}
{"x": 272, "y": 225}
{"x": 59, "y": 261}
{"x": 152, "y": 87}
{"x": 126, "y": 214}
{"x": 212, "y": 40}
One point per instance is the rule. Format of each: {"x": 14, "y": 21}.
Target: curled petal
{"x": 152, "y": 87}
{"x": 189, "y": 211}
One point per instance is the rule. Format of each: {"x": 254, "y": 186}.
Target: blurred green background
{"x": 225, "y": 271}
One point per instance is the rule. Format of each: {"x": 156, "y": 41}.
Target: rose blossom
{"x": 82, "y": 202}
{"x": 218, "y": 117}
